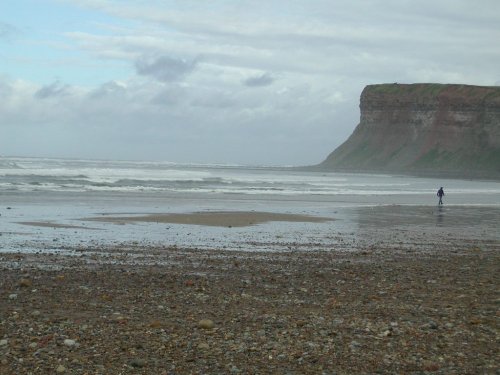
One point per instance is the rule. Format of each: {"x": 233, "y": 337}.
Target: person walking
{"x": 440, "y": 194}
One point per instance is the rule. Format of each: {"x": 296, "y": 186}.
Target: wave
{"x": 58, "y": 175}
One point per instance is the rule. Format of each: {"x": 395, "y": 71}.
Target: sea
{"x": 67, "y": 191}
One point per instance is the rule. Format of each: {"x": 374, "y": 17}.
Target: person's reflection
{"x": 440, "y": 216}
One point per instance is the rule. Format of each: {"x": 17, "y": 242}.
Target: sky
{"x": 260, "y": 82}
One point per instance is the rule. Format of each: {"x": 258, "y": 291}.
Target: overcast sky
{"x": 236, "y": 81}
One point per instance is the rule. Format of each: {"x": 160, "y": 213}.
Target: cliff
{"x": 425, "y": 129}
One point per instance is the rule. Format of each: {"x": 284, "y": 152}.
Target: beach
{"x": 386, "y": 306}
{"x": 367, "y": 276}
{"x": 212, "y": 312}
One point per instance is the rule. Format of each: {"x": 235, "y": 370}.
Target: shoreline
{"x": 28, "y": 229}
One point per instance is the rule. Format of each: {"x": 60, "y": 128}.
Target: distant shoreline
{"x": 459, "y": 175}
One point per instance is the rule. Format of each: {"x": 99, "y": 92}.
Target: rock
{"x": 354, "y": 345}
{"x": 155, "y": 324}
{"x": 25, "y": 283}
{"x": 4, "y": 342}
{"x": 385, "y": 333}
{"x": 206, "y": 324}
{"x": 137, "y": 362}
{"x": 430, "y": 366}
{"x": 203, "y": 346}
{"x": 69, "y": 342}
{"x": 13, "y": 296}
{"x": 433, "y": 325}
{"x": 60, "y": 369}
{"x": 417, "y": 116}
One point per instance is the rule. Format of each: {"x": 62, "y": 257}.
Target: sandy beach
{"x": 425, "y": 304}
{"x": 213, "y": 218}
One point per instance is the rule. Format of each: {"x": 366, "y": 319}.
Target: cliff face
{"x": 433, "y": 129}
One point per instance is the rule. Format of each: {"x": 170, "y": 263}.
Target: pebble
{"x": 432, "y": 324}
{"x": 385, "y": 333}
{"x": 355, "y": 345}
{"x": 25, "y": 283}
{"x": 69, "y": 342}
{"x": 13, "y": 296}
{"x": 155, "y": 324}
{"x": 268, "y": 335}
{"x": 137, "y": 362}
{"x": 206, "y": 324}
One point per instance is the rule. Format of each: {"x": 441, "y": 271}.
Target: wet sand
{"x": 213, "y": 218}
{"x": 48, "y": 224}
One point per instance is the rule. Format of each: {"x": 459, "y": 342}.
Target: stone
{"x": 433, "y": 325}
{"x": 385, "y": 333}
{"x": 69, "y": 342}
{"x": 25, "y": 283}
{"x": 155, "y": 324}
{"x": 355, "y": 345}
{"x": 13, "y": 296}
{"x": 4, "y": 342}
{"x": 206, "y": 324}
{"x": 137, "y": 362}
{"x": 60, "y": 369}
{"x": 203, "y": 346}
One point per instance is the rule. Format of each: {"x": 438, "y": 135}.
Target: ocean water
{"x": 34, "y": 175}
{"x": 364, "y": 208}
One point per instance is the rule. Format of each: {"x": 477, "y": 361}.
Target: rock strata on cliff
{"x": 433, "y": 129}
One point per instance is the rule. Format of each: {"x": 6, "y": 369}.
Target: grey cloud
{"x": 306, "y": 55}
{"x": 108, "y": 89}
{"x": 5, "y": 88}
{"x": 168, "y": 97}
{"x": 258, "y": 81}
{"x": 164, "y": 68}
{"x": 55, "y": 89}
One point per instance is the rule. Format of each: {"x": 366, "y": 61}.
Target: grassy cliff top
{"x": 433, "y": 91}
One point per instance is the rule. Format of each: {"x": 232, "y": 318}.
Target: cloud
{"x": 108, "y": 89}
{"x": 56, "y": 89}
{"x": 164, "y": 68}
{"x": 170, "y": 80}
{"x": 258, "y": 81}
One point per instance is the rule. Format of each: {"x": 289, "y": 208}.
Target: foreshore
{"x": 140, "y": 309}
{"x": 133, "y": 268}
